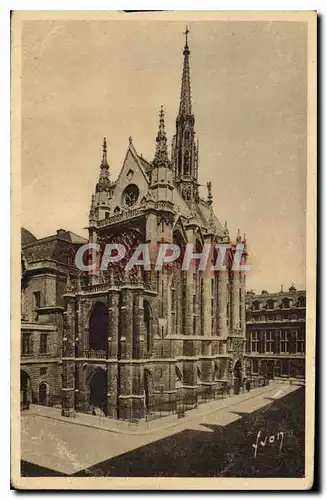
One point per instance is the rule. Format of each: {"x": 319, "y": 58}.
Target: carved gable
{"x": 132, "y": 184}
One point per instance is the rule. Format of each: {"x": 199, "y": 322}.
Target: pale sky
{"x": 82, "y": 81}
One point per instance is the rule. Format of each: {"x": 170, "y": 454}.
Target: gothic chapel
{"x": 142, "y": 341}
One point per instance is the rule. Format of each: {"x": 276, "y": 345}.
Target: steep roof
{"x": 145, "y": 164}
{"x": 278, "y": 297}
{"x": 56, "y": 247}
{"x": 26, "y": 236}
{"x": 72, "y": 237}
{"x": 265, "y": 295}
{"x": 202, "y": 212}
{"x": 206, "y": 215}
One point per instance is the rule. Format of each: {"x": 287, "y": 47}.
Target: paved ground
{"x": 219, "y": 443}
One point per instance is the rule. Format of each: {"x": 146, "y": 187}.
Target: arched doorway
{"x": 270, "y": 369}
{"x": 25, "y": 389}
{"x": 98, "y": 328}
{"x": 147, "y": 326}
{"x": 99, "y": 390}
{"x": 148, "y": 389}
{"x": 237, "y": 377}
{"x": 43, "y": 394}
{"x": 263, "y": 368}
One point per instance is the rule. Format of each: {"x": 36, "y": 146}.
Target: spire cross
{"x": 186, "y": 32}
{"x": 104, "y": 146}
{"x": 185, "y": 100}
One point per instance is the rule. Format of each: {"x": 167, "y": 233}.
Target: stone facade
{"x": 142, "y": 339}
{"x": 45, "y": 265}
{"x": 275, "y": 333}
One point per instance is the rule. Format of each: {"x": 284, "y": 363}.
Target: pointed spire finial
{"x": 281, "y": 288}
{"x": 104, "y": 162}
{"x": 226, "y": 237}
{"x": 104, "y": 181}
{"x": 238, "y": 237}
{"x": 244, "y": 242}
{"x": 185, "y": 107}
{"x": 130, "y": 140}
{"x": 162, "y": 119}
{"x": 104, "y": 148}
{"x": 92, "y": 208}
{"x": 186, "y": 32}
{"x": 209, "y": 187}
{"x": 244, "y": 239}
{"x": 161, "y": 153}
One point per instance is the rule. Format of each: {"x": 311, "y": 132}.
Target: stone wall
{"x": 140, "y": 372}
{"x": 48, "y": 372}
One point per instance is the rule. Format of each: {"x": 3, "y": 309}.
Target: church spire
{"x": 104, "y": 181}
{"x": 184, "y": 147}
{"x": 185, "y": 106}
{"x": 161, "y": 154}
{"x": 104, "y": 163}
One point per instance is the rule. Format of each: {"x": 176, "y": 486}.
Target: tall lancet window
{"x": 218, "y": 323}
{"x": 240, "y": 308}
{"x": 212, "y": 306}
{"x": 162, "y": 298}
{"x": 228, "y": 305}
{"x": 197, "y": 292}
{"x": 180, "y": 285}
{"x": 195, "y": 301}
{"x": 173, "y": 307}
{"x": 201, "y": 307}
{"x": 187, "y": 163}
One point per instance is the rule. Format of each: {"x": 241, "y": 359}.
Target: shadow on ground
{"x": 32, "y": 470}
{"x": 226, "y": 452}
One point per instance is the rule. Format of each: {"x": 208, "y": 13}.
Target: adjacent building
{"x": 275, "y": 333}
{"x": 45, "y": 264}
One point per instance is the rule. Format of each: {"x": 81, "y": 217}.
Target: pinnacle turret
{"x": 104, "y": 162}
{"x": 161, "y": 153}
{"x": 104, "y": 181}
{"x": 245, "y": 243}
{"x": 209, "y": 187}
{"x": 92, "y": 209}
{"x": 226, "y": 237}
